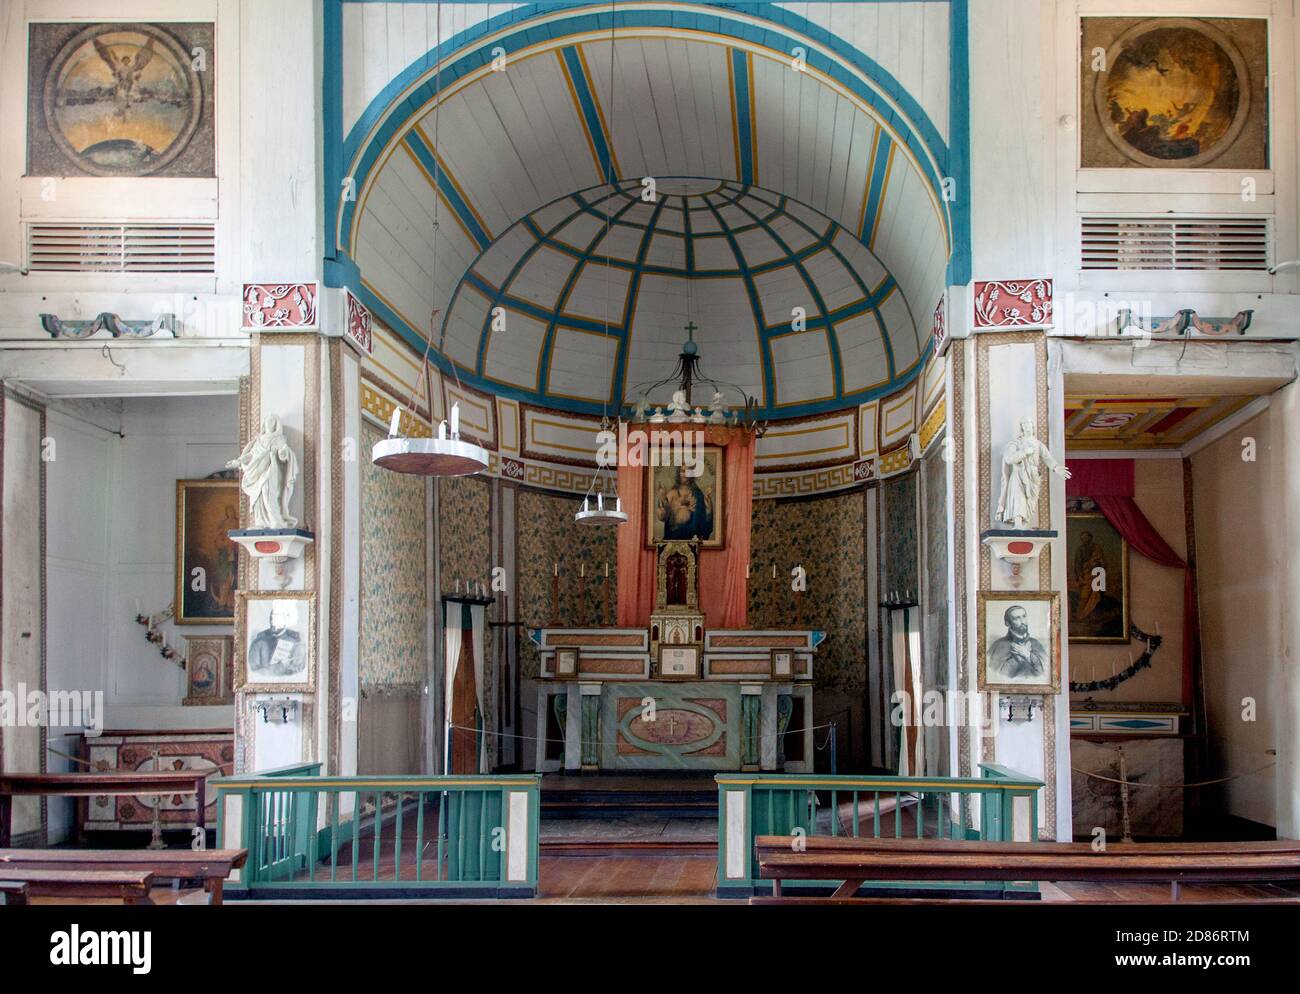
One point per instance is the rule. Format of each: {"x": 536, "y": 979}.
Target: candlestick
{"x": 455, "y": 420}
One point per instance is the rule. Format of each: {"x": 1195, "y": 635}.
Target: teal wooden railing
{"x": 309, "y": 835}
{"x": 1000, "y": 804}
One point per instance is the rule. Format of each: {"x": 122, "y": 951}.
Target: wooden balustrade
{"x": 309, "y": 835}
{"x": 1000, "y": 805}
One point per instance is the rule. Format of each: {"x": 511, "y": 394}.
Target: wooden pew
{"x": 128, "y": 886}
{"x": 855, "y": 861}
{"x": 14, "y": 892}
{"x": 95, "y": 784}
{"x": 212, "y": 866}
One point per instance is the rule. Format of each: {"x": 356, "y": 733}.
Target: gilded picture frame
{"x": 206, "y": 510}
{"x": 1096, "y": 615}
{"x": 278, "y": 630}
{"x": 698, "y": 502}
{"x": 682, "y": 662}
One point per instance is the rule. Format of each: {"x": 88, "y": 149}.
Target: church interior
{"x": 666, "y": 451}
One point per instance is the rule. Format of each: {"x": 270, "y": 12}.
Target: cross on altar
{"x": 672, "y": 724}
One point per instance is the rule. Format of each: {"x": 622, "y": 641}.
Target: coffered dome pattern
{"x": 580, "y": 300}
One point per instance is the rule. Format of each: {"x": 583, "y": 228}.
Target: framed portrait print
{"x": 1096, "y": 563}
{"x": 679, "y": 662}
{"x": 1020, "y": 642}
{"x": 209, "y": 660}
{"x": 782, "y": 664}
{"x": 566, "y": 662}
{"x": 276, "y": 635}
{"x": 207, "y": 561}
{"x": 681, "y": 506}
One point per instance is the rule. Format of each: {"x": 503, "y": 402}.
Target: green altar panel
{"x": 693, "y": 726}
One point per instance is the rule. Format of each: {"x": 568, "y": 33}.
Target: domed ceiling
{"x": 586, "y": 297}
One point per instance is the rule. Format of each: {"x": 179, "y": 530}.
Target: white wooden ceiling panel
{"x": 599, "y": 293}
{"x": 582, "y": 365}
{"x": 803, "y": 367}
{"x": 862, "y": 352}
{"x": 512, "y": 353}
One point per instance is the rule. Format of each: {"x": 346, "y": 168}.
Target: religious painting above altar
{"x": 685, "y": 502}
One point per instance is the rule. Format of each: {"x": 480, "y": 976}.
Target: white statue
{"x": 679, "y": 410}
{"x": 1021, "y": 478}
{"x": 717, "y": 410}
{"x": 268, "y": 471}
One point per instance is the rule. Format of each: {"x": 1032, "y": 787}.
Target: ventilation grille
{"x": 121, "y": 248}
{"x": 1163, "y": 242}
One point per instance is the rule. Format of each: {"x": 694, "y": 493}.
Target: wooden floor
{"x": 688, "y": 879}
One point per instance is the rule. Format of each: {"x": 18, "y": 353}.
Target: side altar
{"x": 675, "y": 695}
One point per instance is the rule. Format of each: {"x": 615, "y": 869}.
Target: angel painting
{"x": 121, "y": 99}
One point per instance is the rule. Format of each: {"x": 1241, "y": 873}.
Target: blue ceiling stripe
{"x": 634, "y": 287}
{"x": 590, "y": 113}
{"x": 742, "y": 87}
{"x": 764, "y": 352}
{"x": 876, "y": 190}
{"x": 918, "y": 121}
{"x": 447, "y": 189}
{"x": 837, "y": 374}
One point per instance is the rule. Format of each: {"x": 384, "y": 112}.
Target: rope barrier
{"x": 1173, "y": 786}
{"x": 535, "y": 738}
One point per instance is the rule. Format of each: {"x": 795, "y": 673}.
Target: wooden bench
{"x": 855, "y": 861}
{"x": 212, "y": 866}
{"x": 96, "y": 784}
{"x": 14, "y": 892}
{"x": 128, "y": 886}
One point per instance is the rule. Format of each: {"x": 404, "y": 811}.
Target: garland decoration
{"x": 1142, "y": 662}
{"x": 155, "y": 637}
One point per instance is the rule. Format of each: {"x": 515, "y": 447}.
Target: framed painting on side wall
{"x": 277, "y": 639}
{"x": 1096, "y": 563}
{"x": 207, "y": 561}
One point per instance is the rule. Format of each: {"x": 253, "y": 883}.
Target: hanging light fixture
{"x": 594, "y": 510}
{"x": 446, "y": 454}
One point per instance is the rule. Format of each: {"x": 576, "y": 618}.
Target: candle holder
{"x": 445, "y": 455}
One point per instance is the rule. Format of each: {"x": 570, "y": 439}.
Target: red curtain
{"x": 724, "y": 590}
{"x": 1109, "y": 482}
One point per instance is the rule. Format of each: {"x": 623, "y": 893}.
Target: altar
{"x": 674, "y": 695}
{"x": 602, "y": 704}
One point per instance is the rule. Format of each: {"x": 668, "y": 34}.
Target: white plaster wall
{"x": 111, "y": 519}
{"x": 1247, "y": 546}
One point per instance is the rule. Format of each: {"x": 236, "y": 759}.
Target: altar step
{"x": 621, "y": 804}
{"x": 611, "y": 797}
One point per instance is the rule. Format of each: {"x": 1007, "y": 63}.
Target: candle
{"x": 600, "y": 500}
{"x": 618, "y": 503}
{"x": 774, "y": 571}
{"x": 607, "y": 569}
{"x": 397, "y": 420}
{"x": 584, "y": 505}
{"x": 582, "y": 569}
{"x": 442, "y": 429}
{"x": 555, "y": 569}
{"x": 455, "y": 420}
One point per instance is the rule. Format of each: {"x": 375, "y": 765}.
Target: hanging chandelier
{"x": 594, "y": 510}
{"x": 447, "y": 454}
{"x": 741, "y": 413}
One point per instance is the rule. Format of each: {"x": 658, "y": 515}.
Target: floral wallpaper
{"x": 465, "y": 532}
{"x": 826, "y": 536}
{"x": 393, "y": 588}
{"x": 934, "y": 623}
{"x": 898, "y": 535}
{"x": 548, "y": 536}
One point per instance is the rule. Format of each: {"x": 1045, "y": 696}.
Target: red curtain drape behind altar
{"x": 1109, "y": 482}
{"x": 724, "y": 590}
